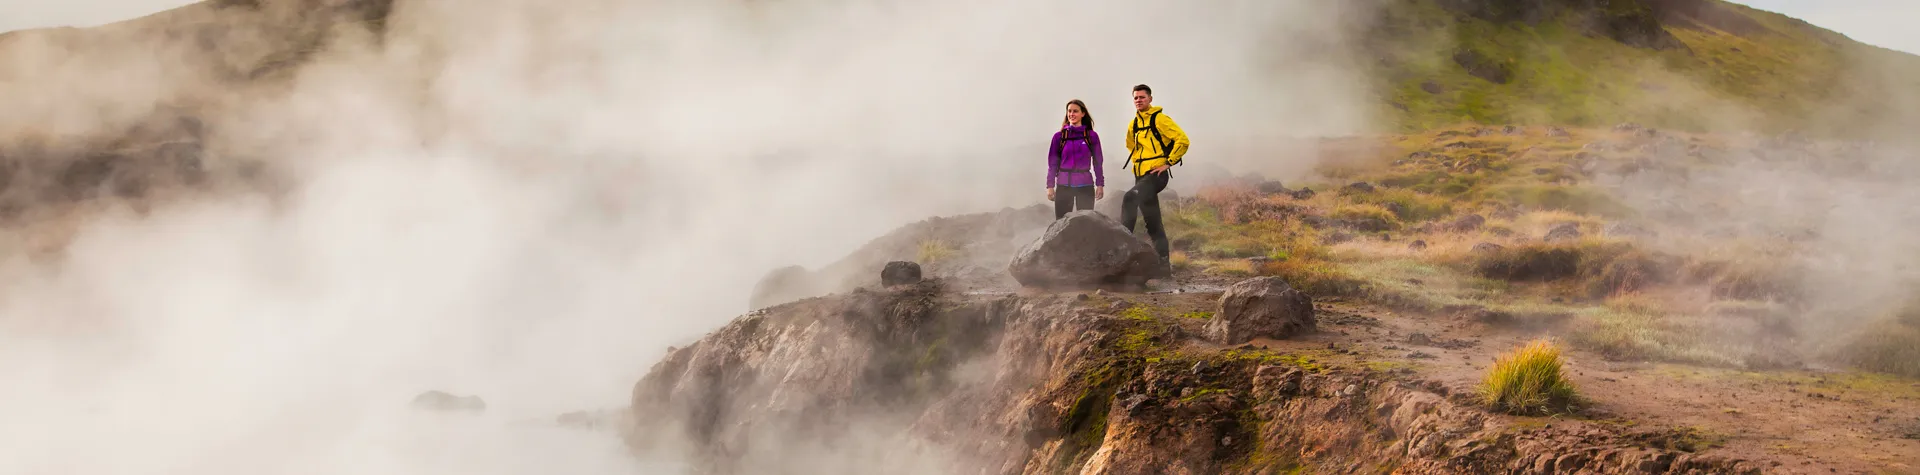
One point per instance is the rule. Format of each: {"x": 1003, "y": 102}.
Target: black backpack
{"x": 1153, "y": 122}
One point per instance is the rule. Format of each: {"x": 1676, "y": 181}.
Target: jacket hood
{"x": 1150, "y": 110}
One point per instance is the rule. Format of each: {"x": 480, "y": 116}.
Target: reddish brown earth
{"x": 1119, "y": 382}
{"x": 1794, "y": 421}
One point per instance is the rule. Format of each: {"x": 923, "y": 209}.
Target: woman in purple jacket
{"x": 1074, "y": 179}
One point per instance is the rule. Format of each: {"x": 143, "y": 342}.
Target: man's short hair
{"x": 1143, "y": 87}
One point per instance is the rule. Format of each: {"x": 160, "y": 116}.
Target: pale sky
{"x": 1877, "y": 22}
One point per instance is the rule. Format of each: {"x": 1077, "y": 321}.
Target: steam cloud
{"x": 529, "y": 201}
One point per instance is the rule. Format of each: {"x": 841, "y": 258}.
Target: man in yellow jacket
{"x": 1154, "y": 143}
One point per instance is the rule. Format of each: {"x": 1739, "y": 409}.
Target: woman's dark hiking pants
{"x": 1144, "y": 201}
{"x": 1067, "y": 199}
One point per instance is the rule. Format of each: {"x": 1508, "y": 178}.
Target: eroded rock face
{"x": 1085, "y": 249}
{"x": 1261, "y": 307}
{"x": 917, "y": 379}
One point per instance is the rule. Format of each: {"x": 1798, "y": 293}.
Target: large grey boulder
{"x": 1261, "y": 307}
{"x": 1086, "y": 249}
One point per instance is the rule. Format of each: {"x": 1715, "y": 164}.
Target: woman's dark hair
{"x": 1086, "y": 116}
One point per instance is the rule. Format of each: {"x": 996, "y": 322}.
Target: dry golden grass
{"x": 1529, "y": 381}
{"x": 1890, "y": 345}
{"x": 1230, "y": 267}
{"x": 935, "y": 250}
{"x": 1314, "y": 276}
{"x": 1179, "y": 260}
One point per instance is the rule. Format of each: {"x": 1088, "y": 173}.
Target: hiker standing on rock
{"x": 1155, "y": 143}
{"x": 1074, "y": 178}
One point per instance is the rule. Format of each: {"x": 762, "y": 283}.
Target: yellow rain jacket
{"x": 1154, "y": 140}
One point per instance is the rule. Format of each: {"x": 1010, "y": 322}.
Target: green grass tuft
{"x": 1529, "y": 381}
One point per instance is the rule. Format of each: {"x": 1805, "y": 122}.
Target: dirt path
{"x": 1801, "y": 422}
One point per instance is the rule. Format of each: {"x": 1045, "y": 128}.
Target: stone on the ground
{"x": 1563, "y": 232}
{"x": 1274, "y": 188}
{"x": 1261, "y": 307}
{"x": 1630, "y": 230}
{"x": 1417, "y": 245}
{"x": 442, "y": 401}
{"x": 900, "y": 273}
{"x": 1487, "y": 247}
{"x": 1468, "y": 223}
{"x": 1086, "y": 249}
{"x": 782, "y": 285}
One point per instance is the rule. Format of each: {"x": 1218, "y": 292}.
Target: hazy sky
{"x": 1878, "y": 22}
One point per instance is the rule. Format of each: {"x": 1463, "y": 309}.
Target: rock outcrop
{"x": 1086, "y": 249}
{"x": 1261, "y": 307}
{"x": 918, "y": 379}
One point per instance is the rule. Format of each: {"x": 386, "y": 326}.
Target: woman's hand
{"x": 1049, "y": 194}
{"x": 1099, "y": 193}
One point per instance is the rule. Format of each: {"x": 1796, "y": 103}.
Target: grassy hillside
{"x": 1687, "y": 64}
{"x": 1516, "y": 225}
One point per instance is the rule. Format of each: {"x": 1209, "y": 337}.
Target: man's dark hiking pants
{"x": 1144, "y": 201}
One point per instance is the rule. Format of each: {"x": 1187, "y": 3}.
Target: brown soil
{"x": 1793, "y": 421}
{"x": 1119, "y": 382}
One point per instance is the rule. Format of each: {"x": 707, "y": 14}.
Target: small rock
{"x": 442, "y": 401}
{"x": 1629, "y": 229}
{"x": 900, "y": 273}
{"x": 1468, "y": 223}
{"x": 1261, "y": 307}
{"x": 1274, "y": 188}
{"x": 1358, "y": 187}
{"x": 1396, "y": 208}
{"x": 1200, "y": 367}
{"x": 1419, "y": 355}
{"x": 1417, "y": 245}
{"x": 1303, "y": 194}
{"x": 781, "y": 285}
{"x": 1563, "y": 232}
{"x": 1487, "y": 247}
{"x": 1419, "y": 339}
{"x": 1350, "y": 390}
